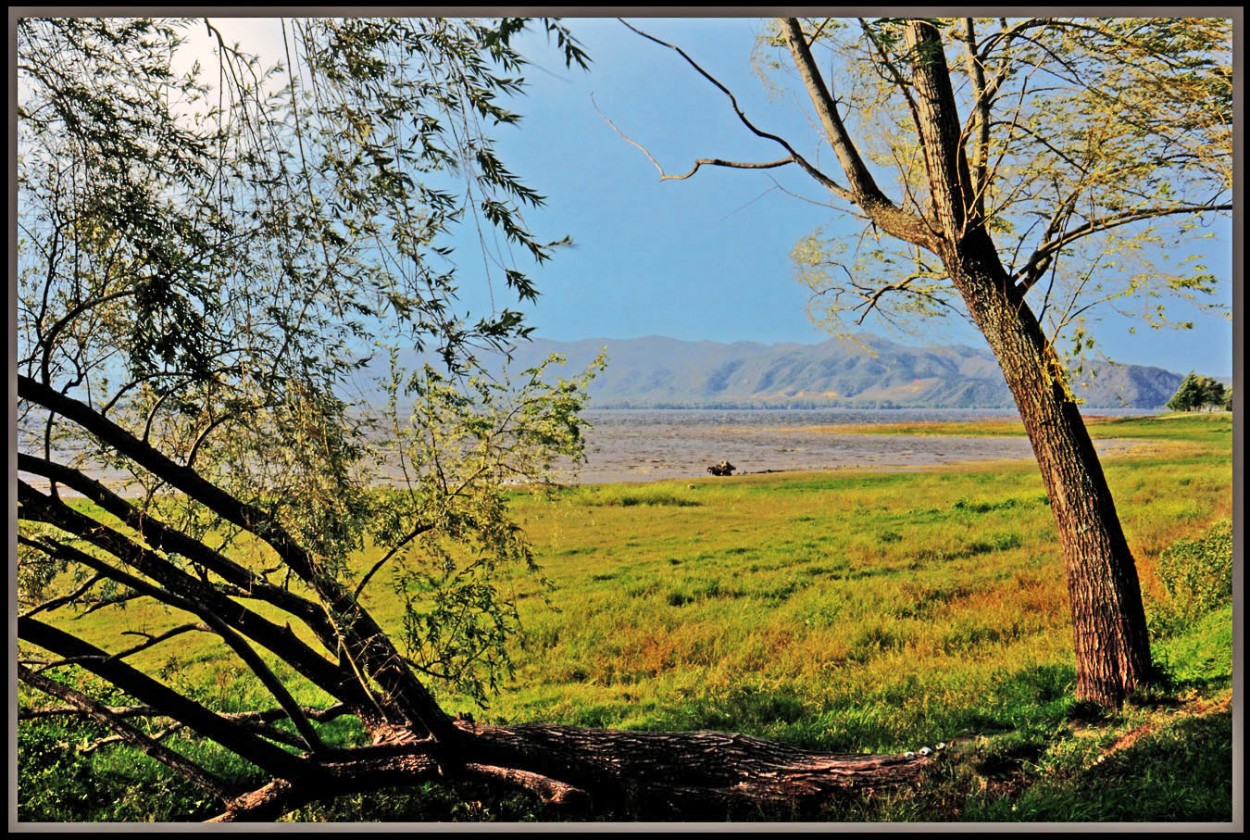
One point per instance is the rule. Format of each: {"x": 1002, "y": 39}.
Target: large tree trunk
{"x": 1108, "y": 619}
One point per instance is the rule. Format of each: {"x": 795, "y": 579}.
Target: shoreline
{"x": 663, "y": 446}
{"x": 629, "y": 455}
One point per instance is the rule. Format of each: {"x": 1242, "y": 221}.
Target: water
{"x": 649, "y": 445}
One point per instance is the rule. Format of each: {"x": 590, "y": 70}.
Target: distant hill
{"x": 668, "y": 373}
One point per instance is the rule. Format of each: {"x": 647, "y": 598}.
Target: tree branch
{"x": 205, "y": 722}
{"x": 821, "y": 177}
{"x": 864, "y": 191}
{"x": 105, "y": 716}
{"x": 664, "y": 176}
{"x": 1029, "y": 275}
{"x": 940, "y": 130}
{"x": 56, "y": 603}
{"x": 412, "y": 535}
{"x": 980, "y": 118}
{"x": 896, "y": 77}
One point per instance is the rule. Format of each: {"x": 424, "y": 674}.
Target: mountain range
{"x": 870, "y": 372}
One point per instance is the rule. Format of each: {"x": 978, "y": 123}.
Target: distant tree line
{"x": 1201, "y": 392}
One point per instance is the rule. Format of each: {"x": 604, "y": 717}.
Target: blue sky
{"x": 706, "y": 258}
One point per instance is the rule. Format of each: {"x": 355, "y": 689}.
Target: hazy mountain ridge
{"x": 660, "y": 372}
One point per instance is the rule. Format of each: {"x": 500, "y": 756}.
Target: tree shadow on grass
{"x": 1179, "y": 772}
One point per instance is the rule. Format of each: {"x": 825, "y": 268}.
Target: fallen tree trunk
{"x": 577, "y": 772}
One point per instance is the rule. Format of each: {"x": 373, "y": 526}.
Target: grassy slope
{"x": 868, "y": 611}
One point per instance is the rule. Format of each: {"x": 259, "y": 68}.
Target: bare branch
{"x": 1028, "y": 275}
{"x": 664, "y": 176}
{"x": 104, "y": 603}
{"x": 320, "y": 715}
{"x": 412, "y": 535}
{"x": 872, "y": 298}
{"x": 230, "y": 734}
{"x": 550, "y": 791}
{"x": 101, "y": 743}
{"x": 25, "y": 713}
{"x": 207, "y": 781}
{"x": 794, "y": 156}
{"x": 980, "y": 119}
{"x": 153, "y": 640}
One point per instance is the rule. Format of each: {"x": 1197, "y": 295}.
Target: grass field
{"x": 847, "y": 611}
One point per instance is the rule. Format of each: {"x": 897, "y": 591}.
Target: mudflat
{"x": 650, "y": 446}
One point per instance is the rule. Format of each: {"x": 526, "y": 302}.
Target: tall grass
{"x": 856, "y": 611}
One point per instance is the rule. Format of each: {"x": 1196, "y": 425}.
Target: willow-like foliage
{"x": 1097, "y": 152}
{"x": 223, "y": 271}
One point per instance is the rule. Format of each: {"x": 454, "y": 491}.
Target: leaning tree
{"x": 218, "y": 264}
{"x": 1019, "y": 173}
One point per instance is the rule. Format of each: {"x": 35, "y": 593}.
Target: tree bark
{"x": 582, "y": 772}
{"x": 1109, "y": 621}
{"x": 1108, "y": 617}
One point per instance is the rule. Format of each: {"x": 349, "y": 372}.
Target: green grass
{"x": 853, "y": 611}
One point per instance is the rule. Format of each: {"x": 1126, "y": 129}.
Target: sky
{"x": 706, "y": 258}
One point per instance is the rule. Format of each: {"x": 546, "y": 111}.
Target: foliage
{"x": 1197, "y": 392}
{"x": 457, "y": 622}
{"x": 213, "y": 268}
{"x": 1096, "y": 144}
{"x": 1198, "y": 573}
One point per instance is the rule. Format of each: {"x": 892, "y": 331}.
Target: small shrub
{"x": 1198, "y": 573}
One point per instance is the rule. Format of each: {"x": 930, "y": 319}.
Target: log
{"x": 579, "y": 772}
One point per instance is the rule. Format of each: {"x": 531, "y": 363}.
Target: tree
{"x": 1214, "y": 394}
{"x": 1188, "y": 395}
{"x": 1196, "y": 392}
{"x": 209, "y": 277}
{"x": 1017, "y": 172}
